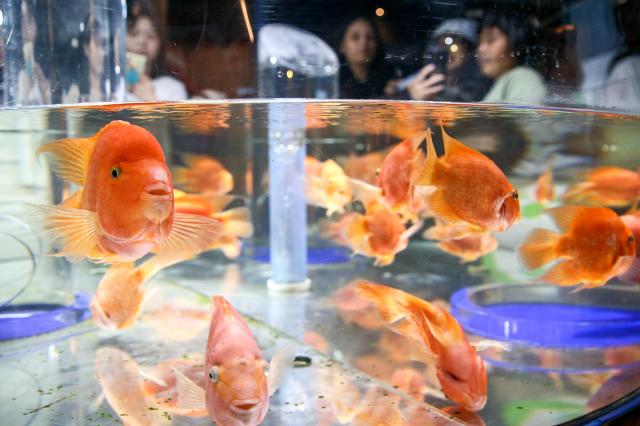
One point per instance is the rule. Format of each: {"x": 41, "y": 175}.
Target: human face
{"x": 494, "y": 55}
{"x": 359, "y": 43}
{"x": 143, "y": 38}
{"x": 94, "y": 51}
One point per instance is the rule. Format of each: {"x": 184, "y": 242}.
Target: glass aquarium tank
{"x": 395, "y": 213}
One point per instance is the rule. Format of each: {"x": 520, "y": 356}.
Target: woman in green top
{"x": 500, "y": 56}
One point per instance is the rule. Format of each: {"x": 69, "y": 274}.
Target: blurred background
{"x": 558, "y": 52}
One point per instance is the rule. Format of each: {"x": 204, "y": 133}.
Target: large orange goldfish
{"x": 203, "y": 174}
{"x": 470, "y": 190}
{"x": 327, "y": 185}
{"x": 460, "y": 369}
{"x": 124, "y": 209}
{"x": 594, "y": 246}
{"x": 238, "y": 380}
{"x": 606, "y": 186}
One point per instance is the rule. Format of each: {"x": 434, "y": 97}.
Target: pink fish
{"x": 238, "y": 381}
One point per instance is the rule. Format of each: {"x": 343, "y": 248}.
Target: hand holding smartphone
{"x": 136, "y": 64}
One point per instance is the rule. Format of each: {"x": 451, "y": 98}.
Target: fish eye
{"x": 515, "y": 195}
{"x": 630, "y": 239}
{"x": 214, "y": 374}
{"x": 115, "y": 172}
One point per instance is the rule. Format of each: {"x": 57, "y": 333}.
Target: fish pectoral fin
{"x": 484, "y": 345}
{"x": 190, "y": 235}
{"x": 148, "y": 374}
{"x": 75, "y": 231}
{"x": 70, "y": 157}
{"x": 438, "y": 204}
{"x": 190, "y": 395}
{"x": 563, "y": 274}
{"x": 280, "y": 364}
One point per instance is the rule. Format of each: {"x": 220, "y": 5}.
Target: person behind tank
{"x": 501, "y": 56}
{"x": 462, "y": 81}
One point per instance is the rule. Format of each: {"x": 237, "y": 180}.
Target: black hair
{"x": 137, "y": 9}
{"x": 627, "y": 13}
{"x": 378, "y": 57}
{"x": 518, "y": 28}
{"x": 92, "y": 28}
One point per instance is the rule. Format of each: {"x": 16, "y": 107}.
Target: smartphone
{"x": 135, "y": 67}
{"x": 438, "y": 56}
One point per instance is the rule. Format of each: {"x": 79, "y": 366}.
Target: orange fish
{"x": 364, "y": 167}
{"x": 470, "y": 190}
{"x": 160, "y": 383}
{"x": 632, "y": 275}
{"x": 120, "y": 293}
{"x": 124, "y": 209}
{"x": 544, "y": 191}
{"x": 468, "y": 249}
{"x": 398, "y": 173}
{"x": 326, "y": 185}
{"x": 236, "y": 222}
{"x": 379, "y": 233}
{"x": 460, "y": 369}
{"x": 121, "y": 382}
{"x": 203, "y": 174}
{"x": 238, "y": 380}
{"x": 595, "y": 245}
{"x": 606, "y": 186}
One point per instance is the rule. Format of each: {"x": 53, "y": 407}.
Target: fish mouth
{"x": 157, "y": 191}
{"x": 244, "y": 406}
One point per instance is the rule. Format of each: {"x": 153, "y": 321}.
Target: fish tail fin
{"x": 426, "y": 147}
{"x": 236, "y": 222}
{"x": 438, "y": 328}
{"x": 539, "y": 248}
{"x": 387, "y": 301}
{"x": 70, "y": 157}
{"x": 392, "y": 306}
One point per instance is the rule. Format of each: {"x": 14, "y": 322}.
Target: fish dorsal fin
{"x": 70, "y": 157}
{"x": 190, "y": 395}
{"x": 564, "y": 216}
{"x": 148, "y": 374}
{"x": 426, "y": 148}
{"x": 75, "y": 231}
{"x": 280, "y": 364}
{"x": 190, "y": 235}
{"x": 453, "y": 146}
